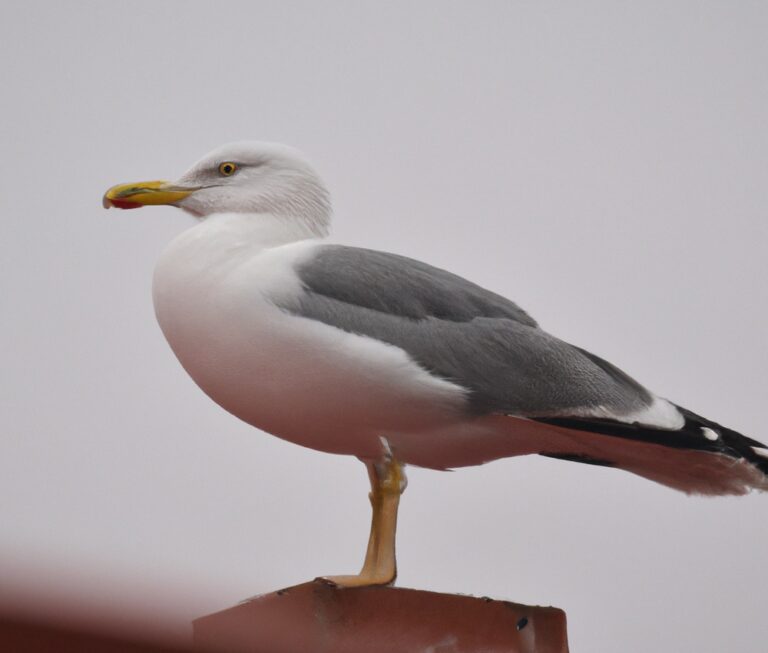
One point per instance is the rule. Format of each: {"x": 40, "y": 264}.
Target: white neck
{"x": 265, "y": 229}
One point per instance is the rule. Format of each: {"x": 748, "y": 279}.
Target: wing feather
{"x": 464, "y": 333}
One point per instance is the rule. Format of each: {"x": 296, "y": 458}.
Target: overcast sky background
{"x": 602, "y": 164}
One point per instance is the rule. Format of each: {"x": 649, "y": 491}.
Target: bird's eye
{"x": 227, "y": 169}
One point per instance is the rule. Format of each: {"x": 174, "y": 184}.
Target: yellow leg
{"x": 387, "y": 484}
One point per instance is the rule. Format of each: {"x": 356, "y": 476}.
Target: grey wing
{"x": 464, "y": 333}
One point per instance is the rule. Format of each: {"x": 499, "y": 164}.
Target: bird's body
{"x": 340, "y": 349}
{"x": 231, "y": 300}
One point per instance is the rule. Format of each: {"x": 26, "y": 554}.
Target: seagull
{"x": 370, "y": 354}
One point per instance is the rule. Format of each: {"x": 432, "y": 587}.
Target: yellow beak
{"x": 134, "y": 196}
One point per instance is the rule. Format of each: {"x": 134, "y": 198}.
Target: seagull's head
{"x": 248, "y": 177}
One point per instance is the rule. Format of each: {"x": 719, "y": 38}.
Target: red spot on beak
{"x": 125, "y": 204}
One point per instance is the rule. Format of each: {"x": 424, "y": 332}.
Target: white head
{"x": 262, "y": 179}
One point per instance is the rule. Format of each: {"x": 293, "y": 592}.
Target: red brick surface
{"x": 318, "y": 618}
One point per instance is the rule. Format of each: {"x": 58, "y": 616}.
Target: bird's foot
{"x": 360, "y": 580}
{"x": 388, "y": 481}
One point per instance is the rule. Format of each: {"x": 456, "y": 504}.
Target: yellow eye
{"x": 227, "y": 169}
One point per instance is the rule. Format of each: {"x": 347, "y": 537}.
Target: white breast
{"x": 215, "y": 289}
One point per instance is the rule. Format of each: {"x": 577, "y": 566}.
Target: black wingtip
{"x": 731, "y": 442}
{"x": 697, "y": 434}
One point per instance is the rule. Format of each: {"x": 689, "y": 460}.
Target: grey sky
{"x": 602, "y": 164}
